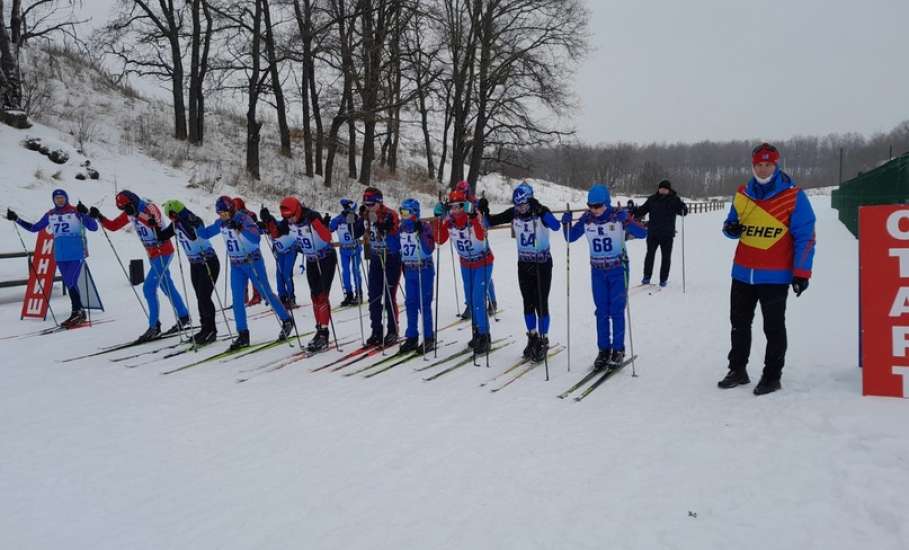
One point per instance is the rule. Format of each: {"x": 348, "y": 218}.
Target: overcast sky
{"x": 671, "y": 70}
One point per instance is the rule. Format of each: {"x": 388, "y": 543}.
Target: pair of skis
{"x": 598, "y": 377}
{"x": 527, "y": 364}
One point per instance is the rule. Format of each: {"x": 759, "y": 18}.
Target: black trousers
{"x": 536, "y": 296}
{"x": 204, "y": 285}
{"x": 665, "y": 246}
{"x": 320, "y": 273}
{"x": 743, "y": 300}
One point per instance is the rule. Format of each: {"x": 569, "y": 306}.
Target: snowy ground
{"x": 95, "y": 455}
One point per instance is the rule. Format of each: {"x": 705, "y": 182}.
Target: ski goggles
{"x": 405, "y": 212}
{"x": 456, "y": 206}
{"x": 369, "y": 204}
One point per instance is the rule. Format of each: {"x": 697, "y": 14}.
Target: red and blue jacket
{"x": 777, "y": 240}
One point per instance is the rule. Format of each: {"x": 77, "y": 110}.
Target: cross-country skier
{"x": 492, "y": 305}
{"x": 240, "y": 206}
{"x": 382, "y": 228}
{"x": 531, "y": 223}
{"x": 68, "y": 224}
{"x": 204, "y": 266}
{"x": 417, "y": 246}
{"x": 314, "y": 241}
{"x": 345, "y": 226}
{"x": 143, "y": 214}
{"x": 774, "y": 223}
{"x": 469, "y": 236}
{"x": 241, "y": 238}
{"x": 284, "y": 247}
{"x": 605, "y": 229}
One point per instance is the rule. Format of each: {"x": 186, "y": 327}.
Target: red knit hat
{"x": 765, "y": 153}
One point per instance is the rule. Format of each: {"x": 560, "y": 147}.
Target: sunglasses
{"x": 595, "y": 206}
{"x": 404, "y": 212}
{"x": 455, "y": 206}
{"x": 369, "y": 204}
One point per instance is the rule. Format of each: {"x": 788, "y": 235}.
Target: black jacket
{"x": 662, "y": 210}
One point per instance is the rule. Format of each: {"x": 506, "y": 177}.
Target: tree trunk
{"x": 277, "y": 90}
{"x": 304, "y": 25}
{"x": 445, "y": 130}
{"x": 479, "y": 129}
{"x": 15, "y": 23}
{"x": 10, "y": 94}
{"x": 317, "y": 116}
{"x": 307, "y": 126}
{"x": 351, "y": 133}
{"x": 424, "y": 125}
{"x": 253, "y": 126}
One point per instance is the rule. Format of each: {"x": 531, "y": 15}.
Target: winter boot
{"x": 603, "y": 359}
{"x": 182, "y": 323}
{"x": 151, "y": 334}
{"x": 410, "y": 344}
{"x": 735, "y": 377}
{"x": 76, "y": 317}
{"x": 205, "y": 336}
{"x": 428, "y": 345}
{"x": 374, "y": 340}
{"x": 618, "y": 357}
{"x": 390, "y": 339}
{"x": 241, "y": 341}
{"x": 287, "y": 329}
{"x": 767, "y": 385}
{"x": 319, "y": 342}
{"x": 532, "y": 338}
{"x": 663, "y": 284}
{"x": 482, "y": 344}
{"x": 538, "y": 355}
{"x": 466, "y": 314}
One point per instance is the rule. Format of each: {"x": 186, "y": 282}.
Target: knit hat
{"x": 765, "y": 153}
{"x": 60, "y": 193}
{"x": 665, "y": 185}
{"x": 224, "y": 204}
{"x": 372, "y": 194}
{"x": 598, "y": 194}
{"x": 172, "y": 208}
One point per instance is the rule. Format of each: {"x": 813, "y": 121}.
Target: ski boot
{"x": 182, "y": 323}
{"x": 663, "y": 284}
{"x": 482, "y": 344}
{"x": 532, "y": 338}
{"x": 410, "y": 344}
{"x": 287, "y": 329}
{"x": 473, "y": 338}
{"x": 767, "y": 385}
{"x": 538, "y": 355}
{"x": 205, "y": 336}
{"x": 76, "y": 317}
{"x": 348, "y": 299}
{"x": 151, "y": 334}
{"x": 645, "y": 281}
{"x": 390, "y": 339}
{"x": 241, "y": 341}
{"x": 491, "y": 308}
{"x": 618, "y": 357}
{"x": 735, "y": 377}
{"x": 467, "y": 313}
{"x": 358, "y": 299}
{"x": 319, "y": 341}
{"x": 374, "y": 340}
{"x": 428, "y": 345}
{"x": 602, "y": 360}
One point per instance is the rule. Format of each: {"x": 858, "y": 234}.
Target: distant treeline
{"x": 706, "y": 168}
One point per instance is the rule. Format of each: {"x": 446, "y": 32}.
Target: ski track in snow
{"x": 95, "y": 455}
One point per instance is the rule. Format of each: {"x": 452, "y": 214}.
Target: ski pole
{"x": 387, "y": 309}
{"x": 183, "y": 281}
{"x": 539, "y": 307}
{"x": 683, "y": 254}
{"x": 438, "y": 267}
{"x": 565, "y": 230}
{"x": 488, "y": 273}
{"x": 214, "y": 287}
{"x": 31, "y": 267}
{"x": 136, "y": 294}
{"x": 84, "y": 265}
{"x": 454, "y": 277}
{"x": 257, "y": 284}
{"x": 327, "y": 293}
{"x": 634, "y": 373}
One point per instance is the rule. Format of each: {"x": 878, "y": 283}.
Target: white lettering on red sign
{"x": 893, "y": 225}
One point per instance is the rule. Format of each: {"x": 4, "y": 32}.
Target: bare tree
{"x": 200, "y": 48}
{"x": 276, "y": 87}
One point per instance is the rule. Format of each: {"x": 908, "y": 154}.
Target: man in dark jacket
{"x": 662, "y": 208}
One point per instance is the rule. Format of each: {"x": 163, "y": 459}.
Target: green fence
{"x": 886, "y": 184}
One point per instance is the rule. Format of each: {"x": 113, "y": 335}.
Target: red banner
{"x": 884, "y": 299}
{"x": 41, "y": 278}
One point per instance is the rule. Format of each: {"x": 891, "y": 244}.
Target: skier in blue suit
{"x": 349, "y": 232}
{"x": 68, "y": 224}
{"x": 417, "y": 246}
{"x": 605, "y": 228}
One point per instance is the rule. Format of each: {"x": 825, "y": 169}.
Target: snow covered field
{"x": 95, "y": 455}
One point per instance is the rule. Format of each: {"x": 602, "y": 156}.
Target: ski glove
{"x": 94, "y": 212}
{"x": 265, "y": 215}
{"x": 733, "y": 229}
{"x": 536, "y": 208}
{"x": 799, "y": 285}
{"x": 81, "y": 208}
{"x": 11, "y": 216}
{"x": 233, "y": 224}
{"x": 566, "y": 218}
{"x": 439, "y": 210}
{"x": 483, "y": 206}
{"x": 470, "y": 209}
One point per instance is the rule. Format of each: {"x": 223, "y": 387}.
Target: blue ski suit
{"x": 417, "y": 246}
